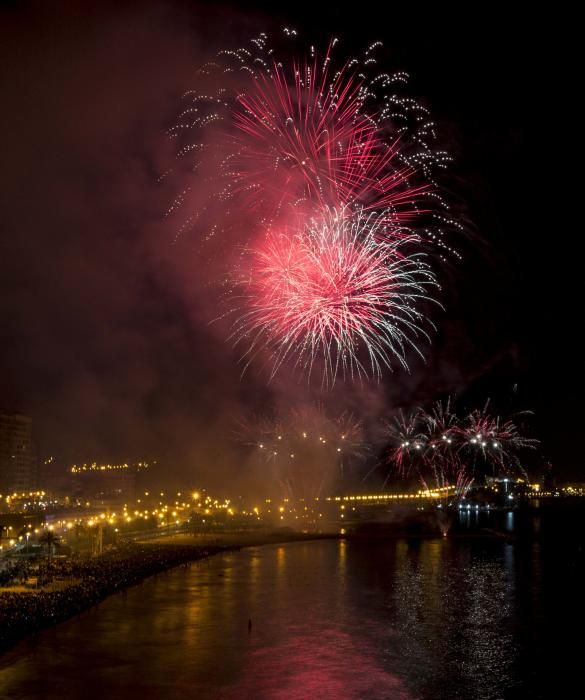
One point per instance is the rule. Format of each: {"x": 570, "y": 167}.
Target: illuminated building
{"x": 18, "y": 464}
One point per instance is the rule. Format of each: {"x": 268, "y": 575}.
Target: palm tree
{"x": 51, "y": 540}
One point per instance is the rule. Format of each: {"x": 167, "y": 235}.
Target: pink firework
{"x": 337, "y": 292}
{"x": 338, "y": 167}
{"x": 490, "y": 438}
{"x": 307, "y": 138}
{"x": 282, "y": 137}
{"x": 440, "y": 448}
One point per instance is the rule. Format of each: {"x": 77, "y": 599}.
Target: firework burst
{"x": 308, "y": 139}
{"x": 488, "y": 438}
{"x": 340, "y": 292}
{"x": 303, "y": 134}
{"x": 339, "y": 167}
{"x": 440, "y": 448}
{"x": 305, "y": 448}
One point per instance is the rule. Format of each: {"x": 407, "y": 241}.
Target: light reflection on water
{"x": 330, "y": 619}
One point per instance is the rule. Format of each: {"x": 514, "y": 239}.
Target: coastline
{"x": 23, "y": 614}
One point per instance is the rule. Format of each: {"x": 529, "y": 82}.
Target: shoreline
{"x": 24, "y": 613}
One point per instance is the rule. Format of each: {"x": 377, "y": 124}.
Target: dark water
{"x": 330, "y": 619}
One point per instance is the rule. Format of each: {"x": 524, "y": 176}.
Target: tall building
{"x": 18, "y": 464}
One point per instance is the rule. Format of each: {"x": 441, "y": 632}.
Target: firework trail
{"x": 305, "y": 448}
{"x": 325, "y": 173}
{"x": 338, "y": 291}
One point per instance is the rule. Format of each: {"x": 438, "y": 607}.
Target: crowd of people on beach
{"x": 13, "y": 572}
{"x": 90, "y": 580}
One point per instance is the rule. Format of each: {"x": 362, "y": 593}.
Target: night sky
{"x": 104, "y": 322}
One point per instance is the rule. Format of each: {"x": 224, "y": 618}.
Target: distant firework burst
{"x": 339, "y": 291}
{"x": 441, "y": 448}
{"x": 306, "y": 448}
{"x": 324, "y": 172}
{"x": 485, "y": 437}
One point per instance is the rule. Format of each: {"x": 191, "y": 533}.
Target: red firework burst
{"x": 308, "y": 137}
{"x": 336, "y": 290}
{"x": 339, "y": 167}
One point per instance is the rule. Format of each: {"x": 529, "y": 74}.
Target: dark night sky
{"x": 104, "y": 333}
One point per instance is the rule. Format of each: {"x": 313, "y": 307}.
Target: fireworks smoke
{"x": 305, "y": 449}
